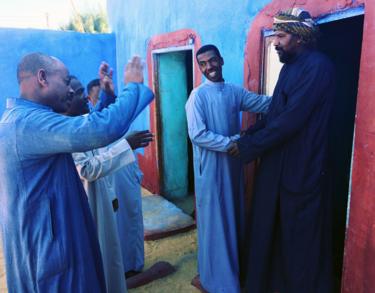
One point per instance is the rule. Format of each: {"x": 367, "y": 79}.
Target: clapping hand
{"x": 105, "y": 76}
{"x": 134, "y": 71}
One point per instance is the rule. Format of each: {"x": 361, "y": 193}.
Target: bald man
{"x": 49, "y": 238}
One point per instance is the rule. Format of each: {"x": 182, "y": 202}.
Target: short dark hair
{"x": 32, "y": 62}
{"x": 206, "y": 48}
{"x": 91, "y": 84}
{"x": 75, "y": 78}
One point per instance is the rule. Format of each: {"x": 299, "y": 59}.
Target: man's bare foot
{"x": 130, "y": 274}
{"x": 196, "y": 282}
{"x": 158, "y": 270}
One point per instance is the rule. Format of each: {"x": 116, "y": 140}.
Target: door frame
{"x": 156, "y": 85}
{"x": 173, "y": 41}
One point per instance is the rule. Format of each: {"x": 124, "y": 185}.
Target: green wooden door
{"x": 173, "y": 144}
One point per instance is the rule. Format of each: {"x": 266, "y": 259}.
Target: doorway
{"x": 173, "y": 82}
{"x": 341, "y": 40}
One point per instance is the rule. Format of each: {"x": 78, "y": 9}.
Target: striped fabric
{"x": 298, "y": 22}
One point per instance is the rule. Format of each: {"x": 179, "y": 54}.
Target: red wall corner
{"x": 359, "y": 267}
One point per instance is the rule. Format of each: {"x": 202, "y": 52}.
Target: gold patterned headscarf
{"x": 298, "y": 22}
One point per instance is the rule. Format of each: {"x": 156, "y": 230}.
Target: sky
{"x": 43, "y": 14}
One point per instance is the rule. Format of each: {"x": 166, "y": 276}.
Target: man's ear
{"x": 299, "y": 40}
{"x": 42, "y": 77}
{"x": 222, "y": 61}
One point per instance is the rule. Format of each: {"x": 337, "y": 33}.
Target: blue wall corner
{"x": 82, "y": 53}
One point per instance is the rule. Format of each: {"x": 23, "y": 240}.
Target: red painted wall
{"x": 359, "y": 264}
{"x": 149, "y": 162}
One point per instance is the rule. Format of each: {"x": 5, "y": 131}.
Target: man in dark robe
{"x": 289, "y": 247}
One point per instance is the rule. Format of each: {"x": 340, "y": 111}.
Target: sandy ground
{"x": 179, "y": 250}
{"x": 3, "y": 281}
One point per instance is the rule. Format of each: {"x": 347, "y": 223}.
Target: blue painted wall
{"x": 82, "y": 53}
{"x": 224, "y": 23}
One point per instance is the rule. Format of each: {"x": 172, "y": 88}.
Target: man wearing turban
{"x": 289, "y": 247}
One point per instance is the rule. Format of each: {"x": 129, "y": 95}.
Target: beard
{"x": 284, "y": 56}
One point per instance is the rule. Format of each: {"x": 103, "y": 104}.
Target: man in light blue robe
{"x": 127, "y": 183}
{"x": 49, "y": 238}
{"x": 96, "y": 169}
{"x": 213, "y": 115}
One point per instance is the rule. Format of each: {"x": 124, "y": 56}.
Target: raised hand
{"x": 134, "y": 71}
{"x": 105, "y": 76}
{"x": 105, "y": 70}
{"x": 139, "y": 139}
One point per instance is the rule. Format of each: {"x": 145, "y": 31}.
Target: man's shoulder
{"x": 197, "y": 96}
{"x": 234, "y": 87}
{"x": 20, "y": 113}
{"x": 312, "y": 63}
{"x": 319, "y": 58}
{"x": 199, "y": 91}
{"x": 202, "y": 88}
{"x": 14, "y": 115}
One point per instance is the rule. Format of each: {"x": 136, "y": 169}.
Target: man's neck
{"x": 218, "y": 81}
{"x": 297, "y": 54}
{"x": 31, "y": 95}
